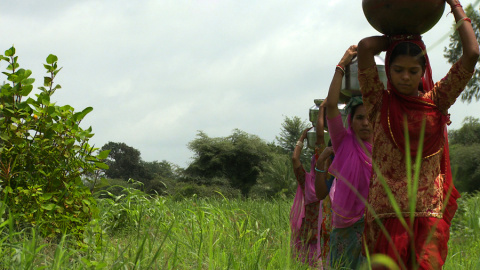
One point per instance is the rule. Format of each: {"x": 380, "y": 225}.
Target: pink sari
{"x": 352, "y": 168}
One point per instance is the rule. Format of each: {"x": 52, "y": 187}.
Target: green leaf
{"x": 12, "y": 66}
{"x": 47, "y": 81}
{"x": 28, "y": 72}
{"x": 48, "y": 207}
{"x": 381, "y": 259}
{"x": 48, "y": 67}
{"x": 101, "y": 165}
{"x": 28, "y": 81}
{"x": 103, "y": 154}
{"x": 51, "y": 59}
{"x": 26, "y": 90}
{"x": 57, "y": 70}
{"x": 10, "y": 52}
{"x": 4, "y": 136}
{"x": 80, "y": 115}
{"x": 85, "y": 201}
{"x": 47, "y": 196}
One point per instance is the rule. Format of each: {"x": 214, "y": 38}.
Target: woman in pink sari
{"x": 304, "y": 215}
{"x": 352, "y": 170}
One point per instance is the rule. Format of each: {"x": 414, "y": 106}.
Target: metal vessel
{"x": 350, "y": 83}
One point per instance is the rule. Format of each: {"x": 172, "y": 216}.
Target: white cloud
{"x": 156, "y": 72}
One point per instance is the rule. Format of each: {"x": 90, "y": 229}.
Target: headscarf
{"x": 415, "y": 109}
{"x": 396, "y": 107}
{"x": 352, "y": 103}
{"x": 352, "y": 168}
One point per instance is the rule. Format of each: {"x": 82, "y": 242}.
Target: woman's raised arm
{"x": 368, "y": 48}
{"x": 331, "y": 102}
{"x": 469, "y": 41}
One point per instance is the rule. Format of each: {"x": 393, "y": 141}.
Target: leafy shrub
{"x": 466, "y": 222}
{"x": 277, "y": 179}
{"x": 156, "y": 186}
{"x": 43, "y": 154}
{"x": 189, "y": 190}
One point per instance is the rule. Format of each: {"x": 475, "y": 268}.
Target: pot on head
{"x": 350, "y": 83}
{"x": 312, "y": 138}
{"x": 394, "y": 17}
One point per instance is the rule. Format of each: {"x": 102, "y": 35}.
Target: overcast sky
{"x": 156, "y": 72}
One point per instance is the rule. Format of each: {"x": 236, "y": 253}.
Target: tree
{"x": 465, "y": 154}
{"x": 164, "y": 176}
{"x": 454, "y": 51}
{"x": 44, "y": 153}
{"x": 239, "y": 158}
{"x": 468, "y": 134}
{"x": 465, "y": 161}
{"x": 163, "y": 169}
{"x": 277, "y": 178}
{"x": 125, "y": 162}
{"x": 290, "y": 132}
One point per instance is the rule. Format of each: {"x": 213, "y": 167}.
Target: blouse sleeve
{"x": 372, "y": 90}
{"x": 336, "y": 130}
{"x": 446, "y": 91}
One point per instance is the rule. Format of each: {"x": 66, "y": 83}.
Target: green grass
{"x": 138, "y": 232}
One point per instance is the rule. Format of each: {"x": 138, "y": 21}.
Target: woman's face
{"x": 406, "y": 74}
{"x": 360, "y": 124}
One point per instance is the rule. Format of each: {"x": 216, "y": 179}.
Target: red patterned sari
{"x": 436, "y": 196}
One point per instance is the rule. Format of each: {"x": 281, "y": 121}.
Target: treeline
{"x": 238, "y": 165}
{"x": 244, "y": 165}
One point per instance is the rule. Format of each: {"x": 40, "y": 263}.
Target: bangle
{"x": 460, "y": 22}
{"x": 318, "y": 170}
{"x": 340, "y": 68}
{"x": 453, "y": 7}
{"x": 300, "y": 143}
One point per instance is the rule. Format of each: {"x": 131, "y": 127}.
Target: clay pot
{"x": 392, "y": 17}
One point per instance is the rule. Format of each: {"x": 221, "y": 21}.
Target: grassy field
{"x": 136, "y": 232}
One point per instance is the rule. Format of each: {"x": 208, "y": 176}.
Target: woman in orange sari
{"x": 411, "y": 96}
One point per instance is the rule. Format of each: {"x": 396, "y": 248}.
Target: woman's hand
{"x": 304, "y": 134}
{"x": 348, "y": 56}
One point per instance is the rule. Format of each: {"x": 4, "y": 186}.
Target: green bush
{"x": 156, "y": 186}
{"x": 44, "y": 154}
{"x": 189, "y": 190}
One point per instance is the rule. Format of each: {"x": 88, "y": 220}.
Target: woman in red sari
{"x": 412, "y": 96}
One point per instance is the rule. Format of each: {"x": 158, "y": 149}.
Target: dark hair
{"x": 410, "y": 49}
